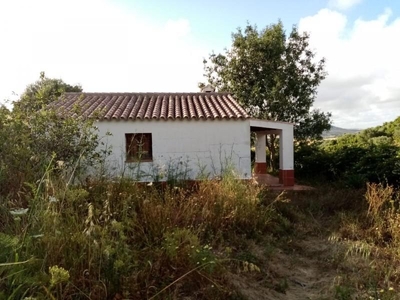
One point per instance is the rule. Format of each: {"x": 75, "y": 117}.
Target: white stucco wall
{"x": 285, "y": 131}
{"x": 193, "y": 147}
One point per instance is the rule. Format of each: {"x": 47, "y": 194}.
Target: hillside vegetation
{"x": 372, "y": 155}
{"x": 335, "y": 132}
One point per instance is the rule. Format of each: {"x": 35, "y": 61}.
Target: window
{"x": 138, "y": 147}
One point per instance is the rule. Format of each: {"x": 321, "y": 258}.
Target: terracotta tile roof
{"x": 150, "y": 106}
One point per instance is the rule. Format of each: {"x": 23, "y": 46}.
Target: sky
{"x": 159, "y": 46}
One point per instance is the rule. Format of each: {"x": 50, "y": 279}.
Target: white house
{"x": 156, "y": 136}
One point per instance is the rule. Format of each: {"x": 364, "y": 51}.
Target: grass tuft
{"x": 120, "y": 238}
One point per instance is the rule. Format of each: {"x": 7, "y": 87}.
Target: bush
{"x": 311, "y": 162}
{"x": 108, "y": 238}
{"x": 352, "y": 165}
{"x": 39, "y": 142}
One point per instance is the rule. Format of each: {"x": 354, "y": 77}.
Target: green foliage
{"x": 387, "y": 134}
{"x": 58, "y": 275}
{"x": 342, "y": 292}
{"x": 43, "y": 92}
{"x": 33, "y": 135}
{"x": 310, "y": 162}
{"x": 62, "y": 238}
{"x": 106, "y": 238}
{"x": 114, "y": 239}
{"x": 372, "y": 155}
{"x": 273, "y": 75}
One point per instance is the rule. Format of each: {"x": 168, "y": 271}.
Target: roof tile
{"x": 151, "y": 105}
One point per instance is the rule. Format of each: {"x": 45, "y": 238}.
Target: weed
{"x": 282, "y": 286}
{"x": 343, "y": 292}
{"x": 118, "y": 237}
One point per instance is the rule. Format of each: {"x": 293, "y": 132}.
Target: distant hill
{"x": 337, "y": 131}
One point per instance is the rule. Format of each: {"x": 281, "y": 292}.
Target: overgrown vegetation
{"x": 373, "y": 155}
{"x": 62, "y": 237}
{"x": 66, "y": 238}
{"x": 105, "y": 238}
{"x": 34, "y": 139}
{"x": 368, "y": 246}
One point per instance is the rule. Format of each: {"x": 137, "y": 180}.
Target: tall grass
{"x": 124, "y": 239}
{"x": 370, "y": 241}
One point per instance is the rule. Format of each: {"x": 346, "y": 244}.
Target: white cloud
{"x": 362, "y": 88}
{"x": 96, "y": 44}
{"x": 105, "y": 48}
{"x": 343, "y": 4}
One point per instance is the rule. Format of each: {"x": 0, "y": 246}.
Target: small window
{"x": 138, "y": 147}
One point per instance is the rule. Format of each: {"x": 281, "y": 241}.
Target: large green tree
{"x": 274, "y": 76}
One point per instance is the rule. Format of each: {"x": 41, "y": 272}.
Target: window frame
{"x": 132, "y": 145}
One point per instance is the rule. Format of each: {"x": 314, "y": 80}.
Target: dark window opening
{"x": 138, "y": 147}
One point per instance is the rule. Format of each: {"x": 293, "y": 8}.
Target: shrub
{"x": 39, "y": 142}
{"x": 106, "y": 238}
{"x": 311, "y": 162}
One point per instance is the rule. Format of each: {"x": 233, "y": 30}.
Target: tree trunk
{"x": 270, "y": 141}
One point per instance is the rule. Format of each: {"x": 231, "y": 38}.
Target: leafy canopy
{"x": 42, "y": 92}
{"x": 274, "y": 76}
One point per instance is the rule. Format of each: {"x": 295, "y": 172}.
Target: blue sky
{"x": 148, "y": 45}
{"x": 214, "y": 21}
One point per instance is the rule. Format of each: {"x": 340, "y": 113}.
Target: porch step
{"x": 272, "y": 182}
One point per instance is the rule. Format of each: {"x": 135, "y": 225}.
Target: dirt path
{"x": 305, "y": 269}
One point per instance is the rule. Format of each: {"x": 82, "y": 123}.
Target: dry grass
{"x": 120, "y": 239}
{"x": 369, "y": 241}
{"x": 123, "y": 239}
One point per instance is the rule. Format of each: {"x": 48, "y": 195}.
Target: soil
{"x": 304, "y": 267}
